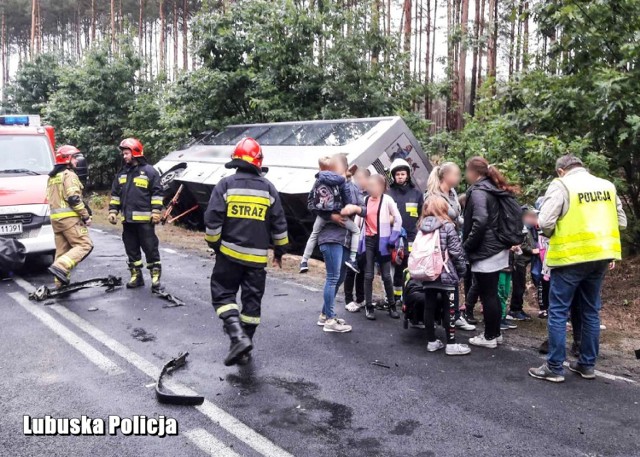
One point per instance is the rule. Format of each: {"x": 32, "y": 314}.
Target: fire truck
{"x": 26, "y": 157}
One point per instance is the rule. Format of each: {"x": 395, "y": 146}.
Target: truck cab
{"x": 26, "y": 158}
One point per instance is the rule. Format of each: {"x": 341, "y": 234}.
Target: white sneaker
{"x": 335, "y": 326}
{"x": 482, "y": 342}
{"x": 353, "y": 307}
{"x": 322, "y": 320}
{"x": 434, "y": 346}
{"x": 603, "y": 327}
{"x": 457, "y": 349}
{"x": 500, "y": 339}
{"x": 462, "y": 324}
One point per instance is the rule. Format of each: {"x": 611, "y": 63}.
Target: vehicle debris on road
{"x": 43, "y": 293}
{"x": 169, "y": 297}
{"x": 174, "y": 399}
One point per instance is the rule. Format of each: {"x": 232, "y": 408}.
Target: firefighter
{"x": 69, "y": 215}
{"x": 243, "y": 216}
{"x": 136, "y": 194}
{"x": 409, "y": 201}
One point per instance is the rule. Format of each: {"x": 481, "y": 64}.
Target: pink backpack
{"x": 426, "y": 260}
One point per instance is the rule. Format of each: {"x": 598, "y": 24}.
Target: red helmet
{"x": 65, "y": 153}
{"x": 248, "y": 150}
{"x": 133, "y": 145}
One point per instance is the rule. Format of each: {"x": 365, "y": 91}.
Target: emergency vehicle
{"x": 26, "y": 157}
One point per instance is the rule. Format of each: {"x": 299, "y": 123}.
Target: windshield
{"x": 25, "y": 153}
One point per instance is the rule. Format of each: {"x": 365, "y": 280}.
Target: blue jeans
{"x": 334, "y": 257}
{"x": 584, "y": 283}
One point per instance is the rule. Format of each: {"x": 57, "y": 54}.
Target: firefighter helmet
{"x": 133, "y": 145}
{"x": 248, "y": 150}
{"x": 65, "y": 153}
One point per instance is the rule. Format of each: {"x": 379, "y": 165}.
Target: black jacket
{"x": 410, "y": 202}
{"x": 136, "y": 192}
{"x": 243, "y": 216}
{"x": 450, "y": 243}
{"x": 481, "y": 214}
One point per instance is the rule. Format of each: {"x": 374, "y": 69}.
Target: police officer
{"x": 136, "y": 194}
{"x": 243, "y": 216}
{"x": 69, "y": 215}
{"x": 410, "y": 201}
{"x": 582, "y": 215}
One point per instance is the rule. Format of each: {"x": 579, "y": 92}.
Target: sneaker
{"x": 382, "y": 305}
{"x": 322, "y": 320}
{"x": 457, "y": 349}
{"x": 543, "y": 315}
{"x": 352, "y": 265}
{"x": 468, "y": 315}
{"x": 369, "y": 312}
{"x": 543, "y": 372}
{"x": 481, "y": 341}
{"x": 518, "y": 316}
{"x": 500, "y": 339}
{"x": 418, "y": 324}
{"x": 335, "y": 326}
{"x": 304, "y": 267}
{"x": 462, "y": 324}
{"x": 506, "y": 324}
{"x": 353, "y": 307}
{"x": 584, "y": 372}
{"x": 433, "y": 346}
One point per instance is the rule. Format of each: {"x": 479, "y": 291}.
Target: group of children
{"x": 374, "y": 223}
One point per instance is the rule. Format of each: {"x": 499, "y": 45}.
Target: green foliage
{"x": 34, "y": 83}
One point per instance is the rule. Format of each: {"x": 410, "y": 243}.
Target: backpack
{"x": 426, "y": 260}
{"x": 510, "y": 229}
{"x": 325, "y": 197}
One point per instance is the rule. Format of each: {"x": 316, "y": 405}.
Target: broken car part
{"x": 43, "y": 292}
{"x": 169, "y": 297}
{"x": 174, "y": 399}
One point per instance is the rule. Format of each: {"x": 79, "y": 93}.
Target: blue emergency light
{"x": 14, "y": 120}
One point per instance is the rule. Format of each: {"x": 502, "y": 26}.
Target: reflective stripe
{"x": 248, "y": 199}
{"x": 114, "y": 200}
{"x": 141, "y": 182}
{"x": 212, "y": 235}
{"x": 62, "y": 213}
{"x": 141, "y": 215}
{"x": 73, "y": 189}
{"x": 122, "y": 179}
{"x": 252, "y": 192}
{"x": 280, "y": 239}
{"x": 412, "y": 209}
{"x": 224, "y": 308}
{"x": 156, "y": 202}
{"x": 67, "y": 261}
{"x": 137, "y": 263}
{"x": 249, "y": 319}
{"x": 246, "y": 254}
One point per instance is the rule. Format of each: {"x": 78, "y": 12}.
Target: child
{"x": 378, "y": 235}
{"x": 353, "y": 304}
{"x": 432, "y": 293}
{"x": 330, "y": 194}
{"x": 504, "y": 289}
{"x": 528, "y": 256}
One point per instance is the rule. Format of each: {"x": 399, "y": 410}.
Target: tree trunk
{"x": 433, "y": 48}
{"x": 175, "y": 39}
{"x": 34, "y": 8}
{"x": 474, "y": 65}
{"x": 113, "y": 26}
{"x": 185, "y": 35}
{"x": 519, "y": 38}
{"x": 512, "y": 39}
{"x": 525, "y": 38}
{"x": 375, "y": 30}
{"x": 3, "y": 48}
{"x": 492, "y": 48}
{"x": 462, "y": 64}
{"x": 481, "y": 51}
{"x": 140, "y": 31}
{"x": 163, "y": 27}
{"x": 406, "y": 11}
{"x": 93, "y": 21}
{"x": 427, "y": 65}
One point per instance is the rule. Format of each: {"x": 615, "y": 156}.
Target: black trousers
{"x": 398, "y": 276}
{"x": 355, "y": 279}
{"x": 470, "y": 290}
{"x": 227, "y": 278}
{"x": 519, "y": 279}
{"x": 140, "y": 236}
{"x": 440, "y": 303}
{"x": 487, "y": 284}
{"x": 543, "y": 294}
{"x": 371, "y": 255}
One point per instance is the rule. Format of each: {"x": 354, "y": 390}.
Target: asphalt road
{"x": 307, "y": 393}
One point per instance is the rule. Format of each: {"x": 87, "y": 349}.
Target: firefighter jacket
{"x": 410, "y": 201}
{"x": 243, "y": 216}
{"x": 136, "y": 193}
{"x": 64, "y": 194}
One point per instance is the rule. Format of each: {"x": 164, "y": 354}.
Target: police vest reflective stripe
{"x": 589, "y": 231}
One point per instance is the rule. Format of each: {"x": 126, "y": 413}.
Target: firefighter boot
{"x": 156, "y": 272}
{"x": 250, "y": 330}
{"x": 240, "y": 342}
{"x": 136, "y": 277}
{"x": 60, "y": 276}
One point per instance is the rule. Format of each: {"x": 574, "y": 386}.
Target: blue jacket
{"x": 342, "y": 195}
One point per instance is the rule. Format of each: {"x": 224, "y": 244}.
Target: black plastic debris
{"x": 378, "y": 363}
{"x": 638, "y": 354}
{"x": 170, "y": 298}
{"x": 43, "y": 293}
{"x": 170, "y": 398}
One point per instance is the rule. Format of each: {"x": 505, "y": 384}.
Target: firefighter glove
{"x": 156, "y": 217}
{"x": 113, "y": 218}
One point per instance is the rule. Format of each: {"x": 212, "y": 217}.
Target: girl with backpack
{"x": 379, "y": 230}
{"x": 488, "y": 236}
{"x": 438, "y": 260}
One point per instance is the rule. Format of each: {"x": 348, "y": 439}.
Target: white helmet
{"x": 399, "y": 164}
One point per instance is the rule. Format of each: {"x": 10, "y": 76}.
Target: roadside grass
{"x": 621, "y": 294}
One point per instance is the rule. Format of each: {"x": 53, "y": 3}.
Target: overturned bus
{"x": 291, "y": 153}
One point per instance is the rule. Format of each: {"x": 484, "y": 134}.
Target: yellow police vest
{"x": 589, "y": 231}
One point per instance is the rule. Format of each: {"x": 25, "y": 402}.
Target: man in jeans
{"x": 581, "y": 214}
